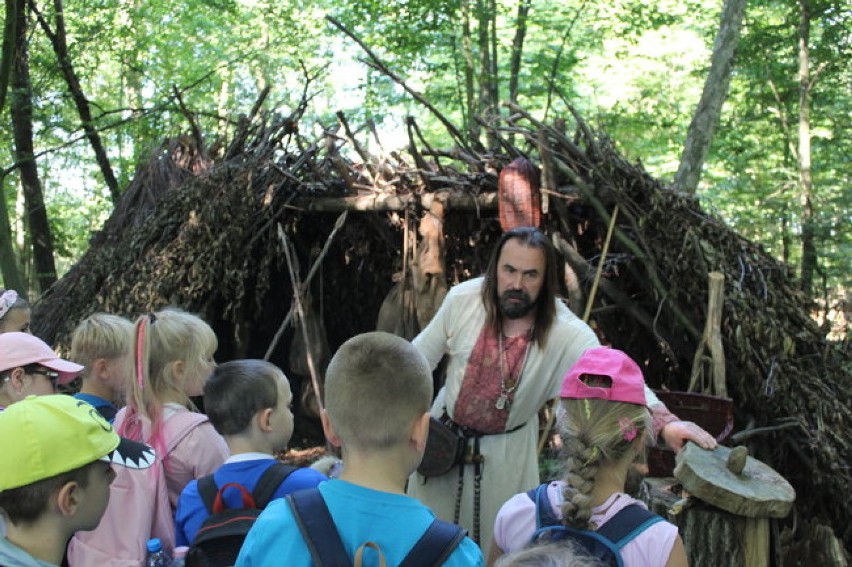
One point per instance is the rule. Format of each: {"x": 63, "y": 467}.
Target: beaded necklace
{"x": 507, "y": 386}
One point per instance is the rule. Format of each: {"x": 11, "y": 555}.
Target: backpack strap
{"x": 266, "y": 486}
{"x": 544, "y": 515}
{"x": 318, "y": 529}
{"x": 207, "y": 489}
{"x": 435, "y": 545}
{"x": 628, "y": 523}
{"x": 269, "y": 482}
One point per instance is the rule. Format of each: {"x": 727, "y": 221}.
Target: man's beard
{"x": 515, "y": 304}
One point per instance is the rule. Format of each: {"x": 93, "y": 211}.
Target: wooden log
{"x": 711, "y": 536}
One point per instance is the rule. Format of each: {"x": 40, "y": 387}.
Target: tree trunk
{"x": 487, "y": 78}
{"x": 58, "y": 40}
{"x": 809, "y": 254}
{"x": 12, "y": 278}
{"x": 8, "y": 47}
{"x": 469, "y": 85}
{"x": 518, "y": 48}
{"x": 22, "y": 127}
{"x": 706, "y": 117}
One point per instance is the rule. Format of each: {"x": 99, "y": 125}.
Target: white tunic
{"x": 511, "y": 460}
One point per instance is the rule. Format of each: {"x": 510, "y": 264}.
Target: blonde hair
{"x": 101, "y": 335}
{"x": 159, "y": 340}
{"x": 595, "y": 432}
{"x": 376, "y": 385}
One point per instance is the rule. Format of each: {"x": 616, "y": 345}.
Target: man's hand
{"x": 677, "y": 433}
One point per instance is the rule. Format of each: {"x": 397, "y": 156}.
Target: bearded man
{"x": 509, "y": 341}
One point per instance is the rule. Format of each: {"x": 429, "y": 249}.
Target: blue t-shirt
{"x": 105, "y": 407}
{"x": 393, "y": 521}
{"x": 191, "y": 513}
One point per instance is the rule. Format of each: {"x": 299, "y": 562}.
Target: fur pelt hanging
{"x": 519, "y": 195}
{"x": 430, "y": 281}
{"x": 320, "y": 353}
{"x": 421, "y": 286}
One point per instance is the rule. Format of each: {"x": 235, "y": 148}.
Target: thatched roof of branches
{"x": 197, "y": 228}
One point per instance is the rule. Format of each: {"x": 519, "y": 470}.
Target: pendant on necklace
{"x": 502, "y": 402}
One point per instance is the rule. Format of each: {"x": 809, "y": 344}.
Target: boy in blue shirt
{"x": 101, "y": 343}
{"x": 378, "y": 392}
{"x": 248, "y": 402}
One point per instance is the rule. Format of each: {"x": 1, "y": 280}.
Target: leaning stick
{"x": 551, "y": 414}
{"x": 599, "y": 271}
{"x": 297, "y": 298}
{"x": 337, "y": 225}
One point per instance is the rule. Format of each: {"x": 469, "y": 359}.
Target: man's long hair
{"x": 545, "y": 305}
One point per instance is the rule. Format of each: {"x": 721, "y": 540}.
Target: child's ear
{"x": 178, "y": 368}
{"x": 68, "y": 498}
{"x": 263, "y": 419}
{"x": 329, "y": 430}
{"x": 420, "y": 432}
{"x": 100, "y": 369}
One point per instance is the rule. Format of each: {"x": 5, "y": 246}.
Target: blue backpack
{"x": 605, "y": 543}
{"x": 323, "y": 540}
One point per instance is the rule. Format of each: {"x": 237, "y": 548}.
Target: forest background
{"x": 89, "y": 88}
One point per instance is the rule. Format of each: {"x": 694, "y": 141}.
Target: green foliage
{"x": 634, "y": 68}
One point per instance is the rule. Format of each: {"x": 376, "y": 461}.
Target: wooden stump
{"x": 711, "y": 536}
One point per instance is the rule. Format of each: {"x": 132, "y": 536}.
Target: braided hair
{"x": 595, "y": 433}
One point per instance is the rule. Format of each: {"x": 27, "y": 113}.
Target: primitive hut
{"x": 198, "y": 228}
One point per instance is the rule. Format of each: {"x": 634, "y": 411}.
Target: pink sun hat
{"x": 24, "y": 349}
{"x": 627, "y": 383}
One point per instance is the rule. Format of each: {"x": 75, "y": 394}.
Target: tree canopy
{"x": 634, "y": 68}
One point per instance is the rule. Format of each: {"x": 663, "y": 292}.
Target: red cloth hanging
{"x": 519, "y": 195}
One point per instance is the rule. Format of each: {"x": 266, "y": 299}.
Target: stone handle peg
{"x": 737, "y": 459}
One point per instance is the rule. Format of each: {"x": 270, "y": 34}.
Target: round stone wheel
{"x": 758, "y": 491}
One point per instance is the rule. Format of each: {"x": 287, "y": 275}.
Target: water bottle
{"x": 157, "y": 556}
{"x": 179, "y": 556}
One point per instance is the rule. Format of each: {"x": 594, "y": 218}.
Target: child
{"x": 559, "y": 554}
{"x": 378, "y": 391}
{"x": 604, "y": 426}
{"x": 248, "y": 402}
{"x": 101, "y": 343}
{"x": 172, "y": 359}
{"x": 55, "y": 475}
{"x": 14, "y": 312}
{"x": 29, "y": 367}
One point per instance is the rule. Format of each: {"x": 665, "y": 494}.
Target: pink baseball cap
{"x": 23, "y": 349}
{"x": 628, "y": 384}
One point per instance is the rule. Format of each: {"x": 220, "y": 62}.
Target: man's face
{"x": 520, "y": 276}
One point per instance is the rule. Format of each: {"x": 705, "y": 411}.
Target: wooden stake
{"x": 712, "y": 340}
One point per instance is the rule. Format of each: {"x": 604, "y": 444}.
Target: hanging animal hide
{"x": 430, "y": 281}
{"x": 519, "y": 195}
{"x": 419, "y": 291}
{"x": 320, "y": 354}
{"x": 398, "y": 313}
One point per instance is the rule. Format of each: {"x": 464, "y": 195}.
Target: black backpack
{"x": 605, "y": 543}
{"x": 221, "y": 536}
{"x": 323, "y": 540}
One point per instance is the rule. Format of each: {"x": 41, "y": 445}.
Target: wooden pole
{"x": 551, "y": 412}
{"x": 712, "y": 340}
